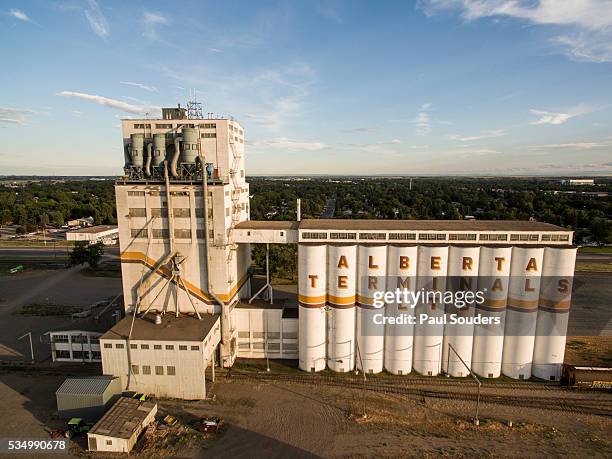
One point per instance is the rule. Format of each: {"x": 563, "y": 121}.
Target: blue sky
{"x": 496, "y": 87}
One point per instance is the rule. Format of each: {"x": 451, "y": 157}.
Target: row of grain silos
{"x": 526, "y": 290}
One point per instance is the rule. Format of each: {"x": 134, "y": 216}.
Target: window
{"x": 208, "y": 125}
{"x": 146, "y": 370}
{"x": 171, "y": 371}
{"x": 133, "y": 346}
{"x": 159, "y": 370}
{"x": 195, "y": 348}
{"x": 158, "y": 233}
{"x": 95, "y": 355}
{"x": 290, "y": 347}
{"x": 169, "y": 347}
{"x": 60, "y": 338}
{"x": 258, "y": 335}
{"x": 181, "y": 212}
{"x": 163, "y": 126}
{"x": 290, "y": 335}
{"x": 182, "y": 233}
{"x": 159, "y": 212}
{"x": 274, "y": 335}
{"x": 258, "y": 346}
{"x": 402, "y": 236}
{"x": 142, "y": 126}
{"x": 432, "y": 237}
{"x": 461, "y": 237}
{"x": 243, "y": 334}
{"x": 244, "y": 346}
{"x": 134, "y": 369}
{"x": 141, "y": 233}
{"x": 108, "y": 346}
{"x": 182, "y": 347}
{"x": 493, "y": 237}
{"x": 136, "y": 193}
{"x": 144, "y": 346}
{"x": 80, "y": 355}
{"x": 62, "y": 354}
{"x": 109, "y": 442}
{"x": 274, "y": 347}
{"x": 310, "y": 235}
{"x": 119, "y": 346}
{"x": 372, "y": 236}
{"x": 157, "y": 347}
{"x": 209, "y": 135}
{"x": 343, "y": 235}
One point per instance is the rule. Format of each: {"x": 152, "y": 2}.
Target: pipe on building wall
{"x": 175, "y": 158}
{"x": 127, "y": 155}
{"x": 147, "y": 167}
{"x": 225, "y": 332}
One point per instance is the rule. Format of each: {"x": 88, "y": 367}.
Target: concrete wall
{"x": 257, "y": 327}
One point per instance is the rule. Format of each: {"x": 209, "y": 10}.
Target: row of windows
{"x": 271, "y": 335}
{"x": 160, "y": 233}
{"x": 161, "y": 193}
{"x": 209, "y": 135}
{"x": 159, "y": 370}
{"x": 157, "y": 347}
{"x": 78, "y": 355}
{"x": 74, "y": 339}
{"x": 275, "y": 347}
{"x": 438, "y": 236}
{"x": 169, "y": 126}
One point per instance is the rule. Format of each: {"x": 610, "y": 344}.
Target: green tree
{"x": 84, "y": 252}
{"x": 601, "y": 230}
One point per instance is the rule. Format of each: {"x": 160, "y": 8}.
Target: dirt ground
{"x": 274, "y": 420}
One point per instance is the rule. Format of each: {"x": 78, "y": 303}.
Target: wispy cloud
{"x": 108, "y": 102}
{"x": 468, "y": 152}
{"x": 361, "y": 129}
{"x": 545, "y": 117}
{"x": 572, "y": 146}
{"x": 140, "y": 85}
{"x": 151, "y": 21}
{"x": 283, "y": 143}
{"x": 329, "y": 9}
{"x": 97, "y": 20}
{"x": 18, "y": 14}
{"x": 423, "y": 121}
{"x": 15, "y": 116}
{"x": 588, "y": 22}
{"x": 483, "y": 135}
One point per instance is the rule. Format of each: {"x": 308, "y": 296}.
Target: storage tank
{"x": 462, "y": 277}
{"x": 159, "y": 149}
{"x": 431, "y": 269}
{"x": 553, "y": 312}
{"x": 371, "y": 270}
{"x": 493, "y": 279}
{"x": 399, "y": 338}
{"x": 311, "y": 298}
{"x": 522, "y": 311}
{"x": 341, "y": 285}
{"x": 190, "y": 145}
{"x": 137, "y": 149}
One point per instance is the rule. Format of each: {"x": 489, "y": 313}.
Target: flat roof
{"x": 84, "y": 386}
{"x": 96, "y": 229}
{"x": 428, "y": 225}
{"x": 258, "y": 303}
{"x": 172, "y": 328}
{"x": 268, "y": 225}
{"x": 124, "y": 418}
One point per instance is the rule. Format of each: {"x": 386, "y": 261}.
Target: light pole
{"x": 29, "y": 335}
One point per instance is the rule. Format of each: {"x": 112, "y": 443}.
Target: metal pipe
{"x": 225, "y": 335}
{"x": 147, "y": 167}
{"x": 175, "y": 158}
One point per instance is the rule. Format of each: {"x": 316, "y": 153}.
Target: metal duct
{"x": 147, "y": 167}
{"x": 175, "y": 158}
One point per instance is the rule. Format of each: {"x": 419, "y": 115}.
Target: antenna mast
{"x": 194, "y": 108}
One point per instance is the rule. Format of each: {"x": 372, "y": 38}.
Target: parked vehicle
{"x": 76, "y": 426}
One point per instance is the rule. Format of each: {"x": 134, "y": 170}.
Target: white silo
{"x": 341, "y": 285}
{"x": 521, "y": 311}
{"x": 553, "y": 312}
{"x": 462, "y": 278}
{"x": 371, "y": 270}
{"x": 431, "y": 270}
{"x": 493, "y": 279}
{"x": 399, "y": 338}
{"x": 312, "y": 285}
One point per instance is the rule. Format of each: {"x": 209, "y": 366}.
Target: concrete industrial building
{"x": 107, "y": 234}
{"x": 185, "y": 239}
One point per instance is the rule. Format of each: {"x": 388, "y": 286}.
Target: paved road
{"x": 330, "y": 207}
{"x": 595, "y": 257}
{"x": 42, "y": 252}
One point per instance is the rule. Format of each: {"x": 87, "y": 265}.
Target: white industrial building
{"x": 107, "y": 234}
{"x": 185, "y": 239}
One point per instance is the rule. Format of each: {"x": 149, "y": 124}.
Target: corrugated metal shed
{"x": 87, "y": 398}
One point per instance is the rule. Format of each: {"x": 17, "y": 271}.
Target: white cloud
{"x": 483, "y": 135}
{"x": 96, "y": 19}
{"x": 589, "y": 21}
{"x": 151, "y": 21}
{"x": 422, "y": 120}
{"x": 140, "y": 85}
{"x": 467, "y": 152}
{"x": 284, "y": 143}
{"x": 19, "y": 15}
{"x": 19, "y": 116}
{"x": 113, "y": 103}
{"x": 550, "y": 117}
{"x": 396, "y": 141}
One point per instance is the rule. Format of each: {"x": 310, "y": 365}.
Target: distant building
{"x": 108, "y": 234}
{"x": 576, "y": 182}
{"x": 83, "y": 222}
